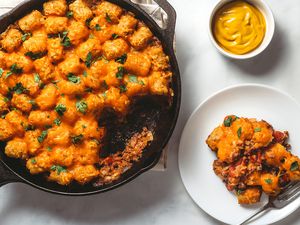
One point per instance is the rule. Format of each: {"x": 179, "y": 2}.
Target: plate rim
{"x": 230, "y": 87}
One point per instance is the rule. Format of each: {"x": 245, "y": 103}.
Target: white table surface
{"x": 159, "y": 197}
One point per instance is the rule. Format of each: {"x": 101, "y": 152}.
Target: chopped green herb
{"x": 123, "y": 88}
{"x": 19, "y": 89}
{"x": 35, "y": 56}
{"x": 114, "y": 36}
{"x": 29, "y": 127}
{"x": 60, "y": 109}
{"x": 120, "y": 72}
{"x": 88, "y": 22}
{"x": 239, "y": 132}
{"x": 89, "y": 59}
{"x": 33, "y": 161}
{"x": 65, "y": 40}
{"x": 15, "y": 69}
{"x": 9, "y": 73}
{"x": 1, "y": 72}
{"x": 37, "y": 78}
{"x": 25, "y": 36}
{"x": 5, "y": 99}
{"x": 85, "y": 74}
{"x": 74, "y": 79}
{"x": 91, "y": 36}
{"x": 32, "y": 102}
{"x": 69, "y": 14}
{"x": 239, "y": 192}
{"x": 88, "y": 89}
{"x": 77, "y": 139}
{"x": 84, "y": 126}
{"x": 133, "y": 79}
{"x": 57, "y": 121}
{"x": 107, "y": 17}
{"x": 228, "y": 121}
{"x": 43, "y": 135}
{"x": 257, "y": 129}
{"x": 58, "y": 169}
{"x": 49, "y": 149}
{"x": 122, "y": 59}
{"x": 268, "y": 181}
{"x": 294, "y": 166}
{"x": 81, "y": 106}
{"x": 97, "y": 27}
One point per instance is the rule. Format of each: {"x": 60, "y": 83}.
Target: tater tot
{"x": 31, "y": 138}
{"x": 74, "y": 87}
{"x": 47, "y": 98}
{"x": 32, "y": 21}
{"x": 41, "y": 118}
{"x": 159, "y": 83}
{"x": 114, "y": 74}
{"x": 115, "y": 48}
{"x": 29, "y": 82}
{"x": 2, "y": 60}
{"x": 81, "y": 12}
{"x": 16, "y": 148}
{"x": 95, "y": 102}
{"x": 138, "y": 63}
{"x": 55, "y": 7}
{"x": 59, "y": 135}
{"x": 88, "y": 127}
{"x": 21, "y": 61}
{"x": 6, "y": 130}
{"x": 44, "y": 68}
{"x": 119, "y": 102}
{"x": 63, "y": 156}
{"x": 22, "y": 102}
{"x": 55, "y": 49}
{"x": 90, "y": 46}
{"x": 103, "y": 30}
{"x": 87, "y": 153}
{"x": 126, "y": 25}
{"x": 84, "y": 174}
{"x": 160, "y": 61}
{"x": 70, "y": 115}
{"x": 77, "y": 32}
{"x": 56, "y": 24}
{"x": 109, "y": 10}
{"x": 18, "y": 121}
{"x": 63, "y": 178}
{"x": 136, "y": 85}
{"x": 141, "y": 37}
{"x": 40, "y": 163}
{"x": 12, "y": 40}
{"x": 71, "y": 64}
{"x": 36, "y": 44}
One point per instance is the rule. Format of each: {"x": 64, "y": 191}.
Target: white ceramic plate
{"x": 195, "y": 158}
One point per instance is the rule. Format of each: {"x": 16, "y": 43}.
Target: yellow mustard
{"x": 239, "y": 27}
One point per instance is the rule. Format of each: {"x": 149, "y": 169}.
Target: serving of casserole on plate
{"x": 64, "y": 71}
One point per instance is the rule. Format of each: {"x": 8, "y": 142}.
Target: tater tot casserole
{"x": 59, "y": 69}
{"x": 252, "y": 157}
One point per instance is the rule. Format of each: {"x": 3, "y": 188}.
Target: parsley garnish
{"x": 122, "y": 59}
{"x": 88, "y": 61}
{"x": 294, "y": 166}
{"x": 1, "y": 72}
{"x": 57, "y": 121}
{"x": 37, "y": 78}
{"x": 97, "y": 27}
{"x": 65, "y": 40}
{"x": 19, "y": 89}
{"x": 25, "y": 36}
{"x": 120, "y": 72}
{"x": 257, "y": 129}
{"x": 74, "y": 79}
{"x": 85, "y": 74}
{"x": 268, "y": 181}
{"x": 60, "y": 109}
{"x": 5, "y": 99}
{"x": 107, "y": 17}
{"x": 239, "y": 132}
{"x": 43, "y": 135}
{"x": 15, "y": 69}
{"x": 9, "y": 73}
{"x": 33, "y": 161}
{"x": 81, "y": 106}
{"x": 228, "y": 121}
{"x": 35, "y": 56}
{"x": 88, "y": 22}
{"x": 49, "y": 149}
{"x": 114, "y": 36}
{"x": 69, "y": 14}
{"x": 133, "y": 79}
{"x": 77, "y": 139}
{"x": 58, "y": 169}
{"x": 123, "y": 88}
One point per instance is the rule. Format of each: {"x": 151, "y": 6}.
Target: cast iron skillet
{"x": 148, "y": 112}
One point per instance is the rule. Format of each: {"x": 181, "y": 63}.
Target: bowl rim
{"x": 270, "y": 24}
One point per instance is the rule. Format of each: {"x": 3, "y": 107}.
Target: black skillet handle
{"x": 169, "y": 32}
{"x": 6, "y": 176}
